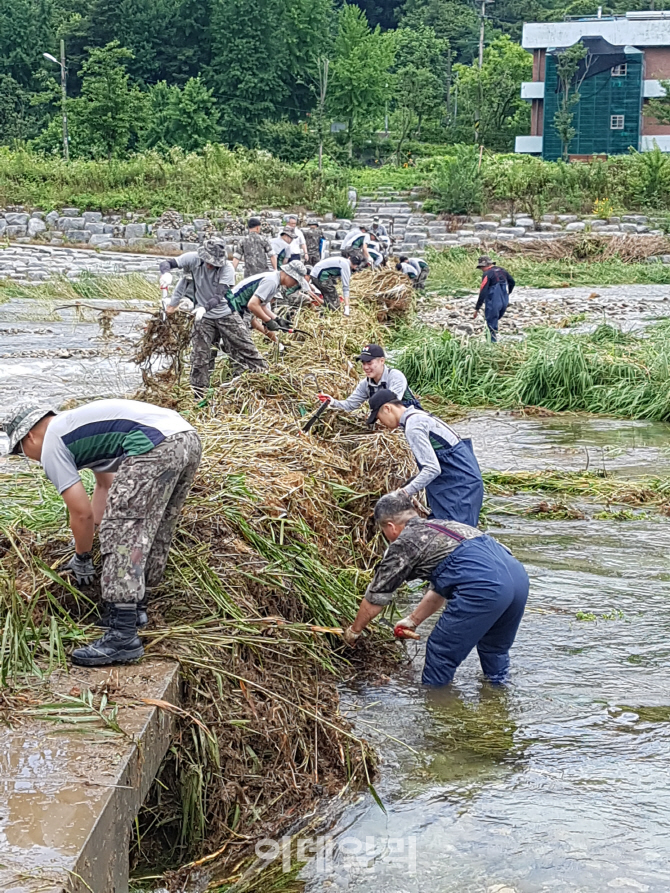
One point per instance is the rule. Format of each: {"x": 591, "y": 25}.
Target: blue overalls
{"x": 457, "y": 492}
{"x": 487, "y": 589}
{"x": 497, "y": 300}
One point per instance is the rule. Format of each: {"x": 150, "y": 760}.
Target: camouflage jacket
{"x": 255, "y": 250}
{"x": 415, "y": 555}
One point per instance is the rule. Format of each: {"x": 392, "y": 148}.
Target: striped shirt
{"x": 263, "y": 285}
{"x": 101, "y": 435}
{"x": 333, "y": 268}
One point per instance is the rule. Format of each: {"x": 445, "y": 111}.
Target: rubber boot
{"x": 120, "y": 643}
{"x": 142, "y": 619}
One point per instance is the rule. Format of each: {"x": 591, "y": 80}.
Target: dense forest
{"x": 157, "y": 74}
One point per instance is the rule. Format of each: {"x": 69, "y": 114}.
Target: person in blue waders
{"x": 485, "y": 589}
{"x": 497, "y": 285}
{"x": 448, "y": 469}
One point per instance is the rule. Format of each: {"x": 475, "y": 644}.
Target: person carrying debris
{"x": 144, "y": 459}
{"x": 215, "y": 322}
{"x": 252, "y": 296}
{"x": 484, "y": 587}
{"x": 416, "y": 268}
{"x": 314, "y": 241}
{"x": 497, "y": 285}
{"x": 255, "y": 250}
{"x": 448, "y": 468}
{"x": 378, "y": 377}
{"x": 326, "y": 273}
{"x": 357, "y": 240}
{"x": 298, "y": 246}
{"x": 282, "y": 246}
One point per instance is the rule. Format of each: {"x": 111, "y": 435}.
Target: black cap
{"x": 370, "y": 352}
{"x": 378, "y": 399}
{"x": 253, "y": 222}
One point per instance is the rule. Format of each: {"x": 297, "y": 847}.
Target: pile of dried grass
{"x": 627, "y": 249}
{"x": 388, "y": 290}
{"x": 274, "y": 549}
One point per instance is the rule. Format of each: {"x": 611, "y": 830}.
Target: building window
{"x": 616, "y": 122}
{"x": 620, "y": 71}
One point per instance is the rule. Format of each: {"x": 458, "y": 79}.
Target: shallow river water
{"x": 560, "y": 781}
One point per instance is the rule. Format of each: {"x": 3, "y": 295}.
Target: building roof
{"x": 641, "y": 29}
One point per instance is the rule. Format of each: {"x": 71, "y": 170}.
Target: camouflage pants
{"x": 235, "y": 340}
{"x": 328, "y": 289}
{"x": 421, "y": 280}
{"x": 143, "y": 507}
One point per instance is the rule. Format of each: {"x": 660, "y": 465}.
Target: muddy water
{"x": 558, "y": 782}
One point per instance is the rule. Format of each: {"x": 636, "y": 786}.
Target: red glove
{"x": 404, "y": 629}
{"x": 324, "y": 398}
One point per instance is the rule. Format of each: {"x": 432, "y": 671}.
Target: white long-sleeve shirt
{"x": 418, "y": 426}
{"x": 393, "y": 379}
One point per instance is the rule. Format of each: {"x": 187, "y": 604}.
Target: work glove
{"x": 81, "y": 568}
{"x": 347, "y": 310}
{"x": 351, "y": 637}
{"x": 284, "y": 324}
{"x": 271, "y": 325}
{"x": 165, "y": 280}
{"x": 405, "y": 629}
{"x": 324, "y": 398}
{"x": 186, "y": 304}
{"x": 199, "y": 313}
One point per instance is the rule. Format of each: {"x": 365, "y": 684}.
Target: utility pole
{"x": 63, "y": 88}
{"x": 482, "y": 17}
{"x": 323, "y": 65}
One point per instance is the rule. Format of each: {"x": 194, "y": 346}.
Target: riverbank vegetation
{"x": 606, "y": 371}
{"x": 270, "y": 560}
{"x": 455, "y": 269}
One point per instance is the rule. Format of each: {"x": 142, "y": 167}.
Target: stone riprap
{"x": 32, "y": 263}
{"x": 413, "y": 230}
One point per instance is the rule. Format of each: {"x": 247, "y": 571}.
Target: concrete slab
{"x": 68, "y": 797}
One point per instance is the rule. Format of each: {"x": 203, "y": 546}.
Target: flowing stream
{"x": 558, "y": 782}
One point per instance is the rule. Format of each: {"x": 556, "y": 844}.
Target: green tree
{"x": 15, "y": 113}
{"x": 246, "y": 65}
{"x": 108, "y": 106}
{"x": 488, "y": 100}
{"x": 359, "y": 71}
{"x": 456, "y": 22}
{"x": 307, "y": 32}
{"x": 186, "y": 117}
{"x": 567, "y": 67}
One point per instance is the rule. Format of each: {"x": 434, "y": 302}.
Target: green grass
{"x": 129, "y": 287}
{"x": 604, "y": 372}
{"x": 455, "y": 270}
{"x": 218, "y": 178}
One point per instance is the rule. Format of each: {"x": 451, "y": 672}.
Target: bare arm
{"x": 103, "y": 481}
{"x": 258, "y": 309}
{"x": 82, "y": 522}
{"x": 429, "y": 604}
{"x": 273, "y": 261}
{"x": 366, "y": 613}
{"x": 235, "y": 262}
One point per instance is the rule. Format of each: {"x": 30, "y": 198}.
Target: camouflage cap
{"x": 484, "y": 261}
{"x": 297, "y": 270}
{"x": 214, "y": 252}
{"x": 21, "y": 419}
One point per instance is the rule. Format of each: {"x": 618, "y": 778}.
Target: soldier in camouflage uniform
{"x": 215, "y": 322}
{"x": 144, "y": 459}
{"x": 255, "y": 250}
{"x": 314, "y": 241}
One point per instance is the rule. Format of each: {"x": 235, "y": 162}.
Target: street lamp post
{"x": 63, "y": 87}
